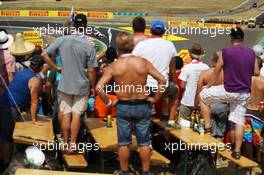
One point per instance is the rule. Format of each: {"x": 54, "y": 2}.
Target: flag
{"x": 72, "y": 14}
{"x": 109, "y": 36}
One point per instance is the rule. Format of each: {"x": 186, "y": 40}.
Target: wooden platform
{"x": 243, "y": 162}
{"x": 157, "y": 159}
{"x": 28, "y": 133}
{"x": 22, "y": 171}
{"x": 77, "y": 161}
{"x": 105, "y": 137}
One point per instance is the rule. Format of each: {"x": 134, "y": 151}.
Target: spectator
{"x": 7, "y": 61}
{"x": 159, "y": 52}
{"x": 239, "y": 64}
{"x": 173, "y": 121}
{"x": 219, "y": 110}
{"x": 254, "y": 117}
{"x": 259, "y": 51}
{"x": 22, "y": 92}
{"x": 132, "y": 105}
{"x": 78, "y": 64}
{"x": 189, "y": 78}
{"x": 139, "y": 26}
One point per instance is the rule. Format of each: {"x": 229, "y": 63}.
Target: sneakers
{"x": 172, "y": 124}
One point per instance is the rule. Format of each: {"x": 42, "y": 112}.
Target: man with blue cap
{"x": 160, "y": 52}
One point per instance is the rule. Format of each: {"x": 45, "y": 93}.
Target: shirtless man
{"x": 133, "y": 105}
{"x": 219, "y": 110}
{"x": 253, "y": 109}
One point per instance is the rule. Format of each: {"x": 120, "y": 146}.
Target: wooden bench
{"x": 76, "y": 161}
{"x": 243, "y": 162}
{"x": 22, "y": 171}
{"x": 158, "y": 160}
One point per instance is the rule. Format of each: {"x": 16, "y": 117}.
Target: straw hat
{"x": 21, "y": 47}
{"x": 5, "y": 40}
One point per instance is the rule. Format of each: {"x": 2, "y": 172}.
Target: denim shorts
{"x": 136, "y": 113}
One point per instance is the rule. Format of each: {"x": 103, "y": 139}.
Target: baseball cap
{"x": 258, "y": 49}
{"x": 80, "y": 19}
{"x": 157, "y": 25}
{"x": 37, "y": 61}
{"x": 237, "y": 33}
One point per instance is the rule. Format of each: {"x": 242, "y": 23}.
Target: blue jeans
{"x": 139, "y": 114}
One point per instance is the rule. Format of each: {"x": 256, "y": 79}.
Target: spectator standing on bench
{"x": 255, "y": 116}
{"x": 78, "y": 74}
{"x": 219, "y": 110}
{"x": 239, "y": 64}
{"x": 160, "y": 52}
{"x": 139, "y": 26}
{"x": 22, "y": 93}
{"x": 133, "y": 104}
{"x": 189, "y": 78}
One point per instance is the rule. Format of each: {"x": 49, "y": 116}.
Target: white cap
{"x": 258, "y": 49}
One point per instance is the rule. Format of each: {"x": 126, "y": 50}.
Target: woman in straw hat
{"x": 7, "y": 61}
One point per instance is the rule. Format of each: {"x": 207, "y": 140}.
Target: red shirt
{"x": 177, "y": 81}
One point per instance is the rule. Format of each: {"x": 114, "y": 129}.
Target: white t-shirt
{"x": 190, "y": 74}
{"x": 159, "y": 52}
{"x": 262, "y": 70}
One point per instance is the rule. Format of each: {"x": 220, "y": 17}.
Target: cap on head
{"x": 157, "y": 25}
{"x": 258, "y": 49}
{"x": 237, "y": 33}
{"x": 36, "y": 61}
{"x": 80, "y": 20}
{"x": 196, "y": 51}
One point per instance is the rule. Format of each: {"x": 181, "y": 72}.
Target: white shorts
{"x": 72, "y": 103}
{"x": 237, "y": 101}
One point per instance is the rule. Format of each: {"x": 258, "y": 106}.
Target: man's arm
{"x": 107, "y": 76}
{"x": 172, "y": 69}
{"x": 200, "y": 85}
{"x": 161, "y": 82}
{"x": 217, "y": 70}
{"x": 50, "y": 61}
{"x": 256, "y": 68}
{"x": 92, "y": 78}
{"x": 34, "y": 86}
{"x": 92, "y": 64}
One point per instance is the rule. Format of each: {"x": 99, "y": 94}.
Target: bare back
{"x": 207, "y": 74}
{"x": 130, "y": 75}
{"x": 257, "y": 93}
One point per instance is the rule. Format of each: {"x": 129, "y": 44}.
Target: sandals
{"x": 236, "y": 155}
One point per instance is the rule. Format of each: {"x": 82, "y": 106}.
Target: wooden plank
{"x": 73, "y": 161}
{"x": 191, "y": 137}
{"x": 22, "y": 171}
{"x": 242, "y": 162}
{"x": 28, "y": 133}
{"x": 158, "y": 159}
{"x": 105, "y": 137}
{"x": 188, "y": 136}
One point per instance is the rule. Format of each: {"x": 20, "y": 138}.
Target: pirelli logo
{"x": 97, "y": 15}
{"x": 10, "y": 13}
{"x": 38, "y": 13}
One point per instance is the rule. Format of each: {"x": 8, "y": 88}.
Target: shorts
{"x": 185, "y": 112}
{"x": 72, "y": 103}
{"x": 7, "y": 122}
{"x": 219, "y": 114}
{"x": 101, "y": 109}
{"x": 253, "y": 127}
{"x": 137, "y": 112}
{"x": 236, "y": 101}
{"x": 171, "y": 91}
